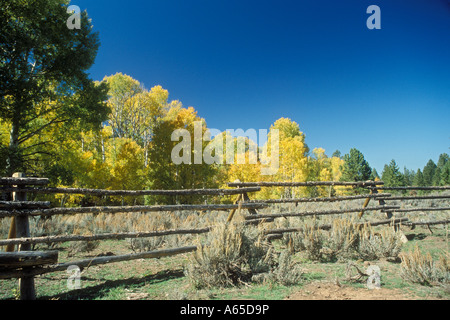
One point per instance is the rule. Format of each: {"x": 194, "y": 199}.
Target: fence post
{"x": 366, "y": 203}
{"x": 238, "y": 200}
{"x": 11, "y": 235}
{"x": 26, "y": 284}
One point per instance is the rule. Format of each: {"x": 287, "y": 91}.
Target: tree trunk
{"x": 13, "y": 161}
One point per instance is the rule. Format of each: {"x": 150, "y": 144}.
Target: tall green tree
{"x": 374, "y": 174}
{"x": 391, "y": 175}
{"x": 428, "y": 172}
{"x": 441, "y": 175}
{"x": 408, "y": 176}
{"x": 445, "y": 174}
{"x": 355, "y": 168}
{"x": 418, "y": 179}
{"x": 163, "y": 172}
{"x": 336, "y": 154}
{"x": 43, "y": 73}
{"x": 436, "y": 181}
{"x": 443, "y": 159}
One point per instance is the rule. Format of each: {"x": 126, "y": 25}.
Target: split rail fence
{"x": 25, "y": 264}
{"x": 373, "y": 186}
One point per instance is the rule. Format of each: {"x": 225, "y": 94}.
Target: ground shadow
{"x": 98, "y": 291}
{"x": 416, "y": 236}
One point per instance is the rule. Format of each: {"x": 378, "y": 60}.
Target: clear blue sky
{"x": 244, "y": 64}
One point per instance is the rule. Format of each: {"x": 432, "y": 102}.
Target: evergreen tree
{"x": 445, "y": 174}
{"x": 418, "y": 179}
{"x": 43, "y": 74}
{"x": 356, "y": 168}
{"x": 408, "y": 176}
{"x": 428, "y": 173}
{"x": 392, "y": 176}
{"x": 436, "y": 181}
{"x": 336, "y": 154}
{"x": 443, "y": 159}
{"x": 374, "y": 175}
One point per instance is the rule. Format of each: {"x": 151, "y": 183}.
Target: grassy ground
{"x": 164, "y": 278}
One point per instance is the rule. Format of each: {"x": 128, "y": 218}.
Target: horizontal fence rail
{"x": 305, "y": 184}
{"x": 329, "y": 226}
{"x": 104, "y": 236}
{"x": 324, "y": 199}
{"x": 101, "y": 192}
{"x": 427, "y": 223}
{"x": 421, "y": 209}
{"x": 412, "y": 188}
{"x": 23, "y": 181}
{"x": 96, "y": 261}
{"x": 121, "y": 209}
{"x": 417, "y": 197}
{"x": 19, "y": 205}
{"x": 318, "y": 213}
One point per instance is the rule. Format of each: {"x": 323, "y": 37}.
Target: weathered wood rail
{"x": 305, "y": 184}
{"x": 273, "y": 234}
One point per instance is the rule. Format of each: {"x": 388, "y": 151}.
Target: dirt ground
{"x": 333, "y": 291}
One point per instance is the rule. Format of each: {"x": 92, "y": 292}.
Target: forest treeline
{"x": 56, "y": 122}
{"x": 131, "y": 149}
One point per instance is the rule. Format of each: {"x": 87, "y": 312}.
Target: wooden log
{"x": 416, "y": 197}
{"x": 421, "y": 209}
{"x": 317, "y": 213}
{"x": 118, "y": 209}
{"x": 101, "y": 192}
{"x": 324, "y": 199}
{"x": 274, "y": 236}
{"x": 104, "y": 236}
{"x": 413, "y": 188}
{"x": 27, "y": 258}
{"x": 19, "y": 205}
{"x": 305, "y": 184}
{"x": 381, "y": 201}
{"x": 22, "y": 181}
{"x": 258, "y": 221}
{"x": 31, "y": 272}
{"x": 329, "y": 226}
{"x": 366, "y": 203}
{"x": 429, "y": 223}
{"x": 246, "y": 198}
{"x": 237, "y": 201}
{"x": 11, "y": 235}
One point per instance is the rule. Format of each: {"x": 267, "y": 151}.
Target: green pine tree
{"x": 392, "y": 176}
{"x": 355, "y": 168}
{"x": 445, "y": 175}
{"x": 418, "y": 179}
{"x": 436, "y": 181}
{"x": 428, "y": 173}
{"x": 374, "y": 174}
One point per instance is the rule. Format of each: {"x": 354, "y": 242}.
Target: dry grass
{"x": 230, "y": 255}
{"x": 420, "y": 268}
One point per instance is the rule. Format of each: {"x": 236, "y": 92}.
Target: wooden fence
{"x": 26, "y": 264}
